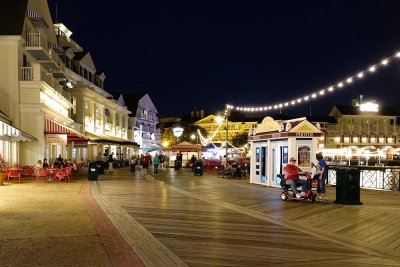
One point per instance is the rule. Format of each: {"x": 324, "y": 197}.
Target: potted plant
{"x": 2, "y": 169}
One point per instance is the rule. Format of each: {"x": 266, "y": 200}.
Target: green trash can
{"x": 348, "y": 186}
{"x": 92, "y": 172}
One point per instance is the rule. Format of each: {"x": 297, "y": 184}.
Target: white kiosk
{"x": 273, "y": 143}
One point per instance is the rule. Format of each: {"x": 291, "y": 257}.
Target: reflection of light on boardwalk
{"x": 205, "y": 219}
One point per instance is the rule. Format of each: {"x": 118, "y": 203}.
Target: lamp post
{"x": 194, "y": 137}
{"x": 226, "y": 131}
{"x": 219, "y": 120}
{"x": 178, "y": 131}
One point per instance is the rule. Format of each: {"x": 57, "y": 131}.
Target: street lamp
{"x": 226, "y": 131}
{"x": 178, "y": 131}
{"x": 219, "y": 120}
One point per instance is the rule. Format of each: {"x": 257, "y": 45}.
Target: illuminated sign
{"x": 56, "y": 139}
{"x": 369, "y": 106}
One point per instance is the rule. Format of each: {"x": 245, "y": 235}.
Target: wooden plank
{"x": 205, "y": 221}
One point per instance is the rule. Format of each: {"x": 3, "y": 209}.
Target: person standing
{"x": 156, "y": 162}
{"x": 193, "y": 160}
{"x": 110, "y": 163}
{"x": 321, "y": 175}
{"x": 132, "y": 163}
{"x": 224, "y": 162}
{"x": 161, "y": 160}
{"x": 146, "y": 161}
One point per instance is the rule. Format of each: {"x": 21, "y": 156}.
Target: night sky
{"x": 205, "y": 54}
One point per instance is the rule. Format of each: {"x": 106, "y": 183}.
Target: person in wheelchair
{"x": 292, "y": 173}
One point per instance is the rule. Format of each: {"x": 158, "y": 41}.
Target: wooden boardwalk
{"x": 176, "y": 219}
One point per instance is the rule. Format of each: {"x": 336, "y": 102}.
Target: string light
{"x": 206, "y": 140}
{"x": 370, "y": 70}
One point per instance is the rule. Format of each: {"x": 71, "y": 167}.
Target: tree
{"x": 167, "y": 137}
{"x": 191, "y": 129}
{"x": 240, "y": 139}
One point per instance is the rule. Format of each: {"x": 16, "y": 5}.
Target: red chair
{"x": 40, "y": 172}
{"x": 14, "y": 173}
{"x": 27, "y": 171}
{"x": 69, "y": 173}
{"x": 61, "y": 174}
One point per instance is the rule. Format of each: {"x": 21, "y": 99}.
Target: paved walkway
{"x": 58, "y": 224}
{"x": 176, "y": 219}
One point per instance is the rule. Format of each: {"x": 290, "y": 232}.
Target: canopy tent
{"x": 186, "y": 147}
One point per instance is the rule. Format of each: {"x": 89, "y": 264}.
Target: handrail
{"x": 371, "y": 177}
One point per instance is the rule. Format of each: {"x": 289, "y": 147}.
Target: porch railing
{"x": 386, "y": 178}
{"x": 26, "y": 74}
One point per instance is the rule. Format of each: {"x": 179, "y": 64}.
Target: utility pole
{"x": 226, "y": 130}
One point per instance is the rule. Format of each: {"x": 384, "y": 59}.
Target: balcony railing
{"x": 36, "y": 45}
{"x": 26, "y": 74}
{"x": 147, "y": 117}
{"x": 386, "y": 178}
{"x": 149, "y": 129}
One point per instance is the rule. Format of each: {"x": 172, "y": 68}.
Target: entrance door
{"x": 279, "y": 155}
{"x": 264, "y": 164}
{"x": 259, "y": 173}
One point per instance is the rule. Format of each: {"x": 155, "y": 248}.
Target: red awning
{"x": 52, "y": 127}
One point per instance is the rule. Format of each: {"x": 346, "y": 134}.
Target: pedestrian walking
{"x": 156, "y": 162}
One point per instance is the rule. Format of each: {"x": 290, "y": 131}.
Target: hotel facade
{"x": 53, "y": 99}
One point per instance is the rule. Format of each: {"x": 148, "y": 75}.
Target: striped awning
{"x": 52, "y": 127}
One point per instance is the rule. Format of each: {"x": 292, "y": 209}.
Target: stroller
{"x": 288, "y": 194}
{"x": 198, "y": 168}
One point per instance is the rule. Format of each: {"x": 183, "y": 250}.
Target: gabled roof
{"x": 12, "y": 16}
{"x": 121, "y": 100}
{"x": 304, "y": 127}
{"x": 86, "y": 60}
{"x": 208, "y": 119}
{"x": 350, "y": 110}
{"x": 131, "y": 101}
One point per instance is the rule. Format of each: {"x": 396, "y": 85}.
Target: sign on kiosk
{"x": 56, "y": 139}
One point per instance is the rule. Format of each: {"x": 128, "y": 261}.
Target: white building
{"x": 143, "y": 122}
{"x": 273, "y": 143}
{"x": 51, "y": 92}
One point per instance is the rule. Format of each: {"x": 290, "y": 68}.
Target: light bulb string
{"x": 339, "y": 85}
